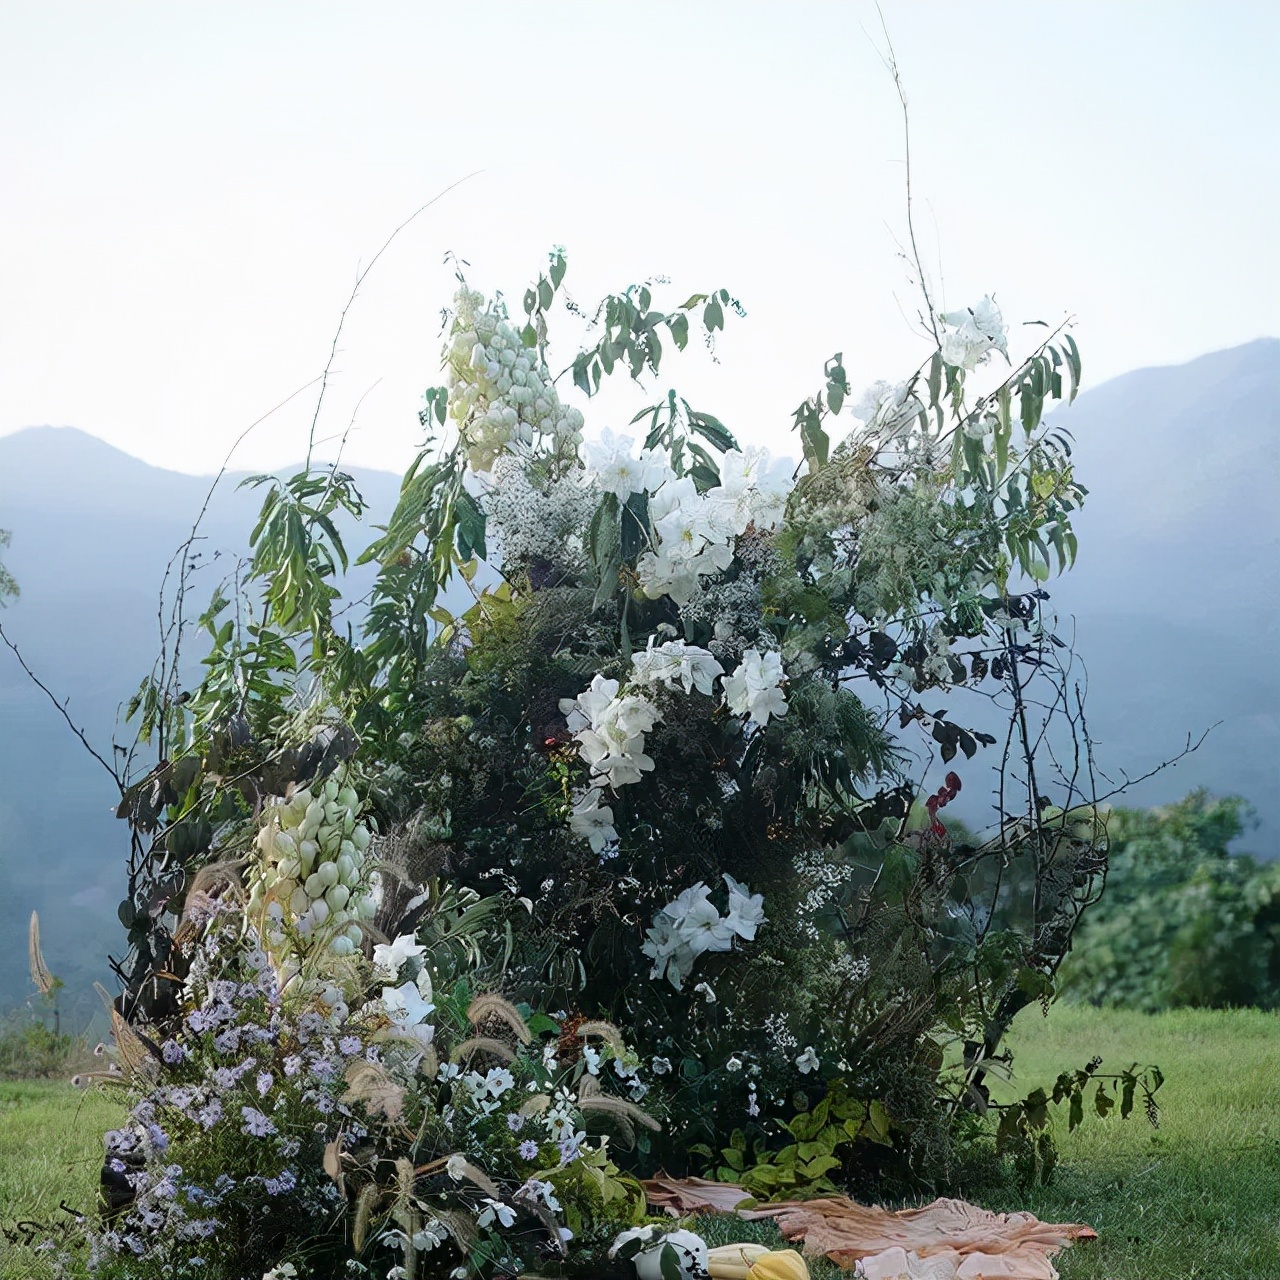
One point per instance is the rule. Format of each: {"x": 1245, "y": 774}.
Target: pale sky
{"x": 187, "y": 191}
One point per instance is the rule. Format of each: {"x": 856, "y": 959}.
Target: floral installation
{"x": 610, "y": 839}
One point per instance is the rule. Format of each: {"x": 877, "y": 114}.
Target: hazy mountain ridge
{"x": 1175, "y": 600}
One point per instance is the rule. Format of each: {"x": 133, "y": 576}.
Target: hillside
{"x": 1175, "y": 601}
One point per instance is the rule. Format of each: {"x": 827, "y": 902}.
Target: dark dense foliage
{"x": 1183, "y": 921}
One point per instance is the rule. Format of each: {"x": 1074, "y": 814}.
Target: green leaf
{"x": 713, "y": 316}
{"x": 635, "y": 525}
{"x": 669, "y": 1263}
{"x": 713, "y": 430}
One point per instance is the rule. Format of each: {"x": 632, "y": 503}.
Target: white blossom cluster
{"x": 609, "y": 720}
{"x": 888, "y": 410}
{"x": 972, "y": 334}
{"x": 310, "y": 865}
{"x": 500, "y": 391}
{"x": 695, "y": 531}
{"x": 691, "y": 925}
{"x": 537, "y": 521}
{"x": 755, "y": 688}
{"x": 610, "y": 725}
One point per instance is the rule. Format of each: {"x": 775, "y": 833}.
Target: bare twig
{"x": 891, "y": 62}
{"x": 61, "y": 708}
{"x": 355, "y": 289}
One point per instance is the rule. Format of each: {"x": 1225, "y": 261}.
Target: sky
{"x": 187, "y": 193}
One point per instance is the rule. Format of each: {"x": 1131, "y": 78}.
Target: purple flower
{"x": 256, "y": 1125}
{"x": 172, "y": 1052}
{"x": 323, "y": 1069}
{"x": 159, "y": 1139}
{"x": 224, "y": 1078}
{"x": 223, "y": 991}
{"x": 349, "y": 1045}
{"x": 528, "y": 1149}
{"x": 569, "y": 1148}
{"x": 515, "y": 1121}
{"x": 227, "y": 1040}
{"x": 198, "y": 1020}
{"x": 293, "y": 1064}
{"x": 289, "y": 1147}
{"x": 264, "y": 1082}
{"x": 281, "y": 1185}
{"x": 309, "y": 1024}
{"x": 210, "y": 1114}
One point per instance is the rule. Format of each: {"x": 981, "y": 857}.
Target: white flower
{"x": 754, "y": 689}
{"x": 746, "y": 910}
{"x": 617, "y": 472}
{"x": 389, "y": 956}
{"x": 456, "y": 1167}
{"x": 495, "y": 1209}
{"x": 697, "y": 921}
{"x": 593, "y": 822}
{"x": 753, "y": 489}
{"x": 973, "y": 334}
{"x": 733, "y": 1064}
{"x": 808, "y": 1061}
{"x": 405, "y": 1004}
{"x": 661, "y": 1066}
{"x": 591, "y": 1057}
{"x": 674, "y": 661}
{"x": 669, "y": 950}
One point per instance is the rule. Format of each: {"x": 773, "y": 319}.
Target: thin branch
{"x": 342, "y": 319}
{"x": 891, "y": 62}
{"x": 61, "y": 709}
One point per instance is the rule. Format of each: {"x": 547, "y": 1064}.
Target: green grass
{"x": 1196, "y": 1199}
{"x": 50, "y": 1153}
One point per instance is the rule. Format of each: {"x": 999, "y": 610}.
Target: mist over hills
{"x": 1174, "y": 604}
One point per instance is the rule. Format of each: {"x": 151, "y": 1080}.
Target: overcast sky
{"x": 187, "y": 191}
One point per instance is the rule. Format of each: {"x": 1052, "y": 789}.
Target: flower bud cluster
{"x": 500, "y": 392}
{"x": 311, "y": 863}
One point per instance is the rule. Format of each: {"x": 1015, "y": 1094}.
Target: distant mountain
{"x": 1175, "y": 601}
{"x": 1176, "y": 594}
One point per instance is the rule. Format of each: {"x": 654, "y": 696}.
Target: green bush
{"x": 1182, "y": 922}
{"x": 30, "y": 1051}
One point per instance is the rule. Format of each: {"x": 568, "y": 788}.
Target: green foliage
{"x": 1183, "y": 921}
{"x": 29, "y": 1050}
{"x": 823, "y": 1139}
{"x": 1025, "y": 1134}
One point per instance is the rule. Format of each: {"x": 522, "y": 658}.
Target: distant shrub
{"x": 1182, "y": 921}
{"x": 29, "y": 1050}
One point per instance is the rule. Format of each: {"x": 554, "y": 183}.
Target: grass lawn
{"x": 50, "y": 1152}
{"x": 1196, "y": 1199}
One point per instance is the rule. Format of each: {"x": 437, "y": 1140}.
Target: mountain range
{"x": 1174, "y": 605}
